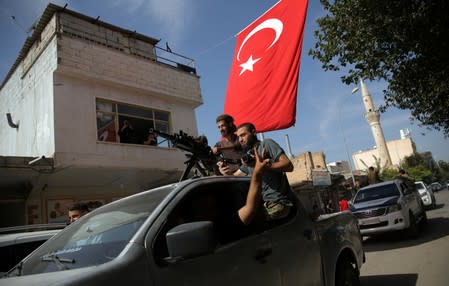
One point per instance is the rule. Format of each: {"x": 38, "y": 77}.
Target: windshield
{"x": 420, "y": 187}
{"x": 96, "y": 238}
{"x": 375, "y": 193}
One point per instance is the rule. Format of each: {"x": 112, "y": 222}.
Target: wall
{"x": 88, "y": 59}
{"x": 28, "y": 96}
{"x": 303, "y": 165}
{"x": 398, "y": 149}
{"x": 76, "y": 131}
{"x": 87, "y": 71}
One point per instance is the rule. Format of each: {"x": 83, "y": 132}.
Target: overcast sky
{"x": 204, "y": 30}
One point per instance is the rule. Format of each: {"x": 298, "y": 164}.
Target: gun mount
{"x": 199, "y": 153}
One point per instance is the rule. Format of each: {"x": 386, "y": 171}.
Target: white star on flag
{"x": 248, "y": 65}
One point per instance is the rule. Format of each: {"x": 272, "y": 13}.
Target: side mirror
{"x": 190, "y": 240}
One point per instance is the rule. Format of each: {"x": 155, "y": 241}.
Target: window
{"x": 219, "y": 203}
{"x": 123, "y": 123}
{"x": 99, "y": 238}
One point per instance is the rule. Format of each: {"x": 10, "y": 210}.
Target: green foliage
{"x": 388, "y": 174}
{"x": 444, "y": 171}
{"x": 422, "y": 167}
{"x": 413, "y": 160}
{"x": 420, "y": 173}
{"x": 402, "y": 42}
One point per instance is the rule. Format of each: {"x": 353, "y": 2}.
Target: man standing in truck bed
{"x": 275, "y": 186}
{"x": 229, "y": 146}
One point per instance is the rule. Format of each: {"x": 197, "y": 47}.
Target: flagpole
{"x": 258, "y": 18}
{"x": 289, "y": 149}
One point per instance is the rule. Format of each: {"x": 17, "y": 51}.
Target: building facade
{"x": 74, "y": 84}
{"x": 304, "y": 164}
{"x": 398, "y": 149}
{"x": 339, "y": 167}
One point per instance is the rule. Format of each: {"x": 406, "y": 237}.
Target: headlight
{"x": 394, "y": 208}
{"x": 425, "y": 197}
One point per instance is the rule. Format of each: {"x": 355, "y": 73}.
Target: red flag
{"x": 263, "y": 81}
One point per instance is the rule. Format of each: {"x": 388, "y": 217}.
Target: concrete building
{"x": 398, "y": 149}
{"x": 303, "y": 164}
{"x": 74, "y": 83}
{"x": 339, "y": 167}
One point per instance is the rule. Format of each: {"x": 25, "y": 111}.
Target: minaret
{"x": 373, "y": 118}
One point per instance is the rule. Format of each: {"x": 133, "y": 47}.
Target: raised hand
{"x": 261, "y": 164}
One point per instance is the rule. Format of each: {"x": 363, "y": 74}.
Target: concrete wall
{"x": 28, "y": 96}
{"x": 79, "y": 57}
{"x": 76, "y": 130}
{"x": 303, "y": 165}
{"x": 88, "y": 71}
{"x": 398, "y": 149}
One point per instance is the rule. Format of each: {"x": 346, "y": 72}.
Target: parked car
{"x": 180, "y": 234}
{"x": 388, "y": 206}
{"x": 426, "y": 194}
{"x": 16, "y": 243}
{"x": 435, "y": 187}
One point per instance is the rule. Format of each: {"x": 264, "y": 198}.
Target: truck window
{"x": 218, "y": 203}
{"x": 374, "y": 193}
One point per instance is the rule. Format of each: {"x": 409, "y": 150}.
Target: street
{"x": 397, "y": 260}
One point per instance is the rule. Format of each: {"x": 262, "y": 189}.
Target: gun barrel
{"x": 198, "y": 149}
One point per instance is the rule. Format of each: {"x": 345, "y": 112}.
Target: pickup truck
{"x": 389, "y": 206}
{"x": 178, "y": 235}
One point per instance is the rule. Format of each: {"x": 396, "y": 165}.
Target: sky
{"x": 328, "y": 115}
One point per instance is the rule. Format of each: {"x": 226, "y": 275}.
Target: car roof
{"x": 381, "y": 184}
{"x": 24, "y": 237}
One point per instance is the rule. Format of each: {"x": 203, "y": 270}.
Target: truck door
{"x": 296, "y": 250}
{"x": 410, "y": 197}
{"x": 244, "y": 260}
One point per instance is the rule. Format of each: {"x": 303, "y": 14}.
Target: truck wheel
{"x": 424, "y": 218}
{"x": 413, "y": 228}
{"x": 347, "y": 274}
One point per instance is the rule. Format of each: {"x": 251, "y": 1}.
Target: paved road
{"x": 399, "y": 261}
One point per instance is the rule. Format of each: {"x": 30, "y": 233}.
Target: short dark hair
{"x": 229, "y": 121}
{"x": 79, "y": 206}
{"x": 248, "y": 125}
{"x": 402, "y": 171}
{"x": 225, "y": 117}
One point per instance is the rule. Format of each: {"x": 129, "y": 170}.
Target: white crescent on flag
{"x": 274, "y": 24}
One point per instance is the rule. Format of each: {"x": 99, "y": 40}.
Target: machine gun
{"x": 199, "y": 152}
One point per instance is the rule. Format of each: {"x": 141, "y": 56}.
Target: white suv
{"x": 427, "y": 196}
{"x": 388, "y": 206}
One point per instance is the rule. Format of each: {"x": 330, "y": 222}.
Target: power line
{"x": 215, "y": 46}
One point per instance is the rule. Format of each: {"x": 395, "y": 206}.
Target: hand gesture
{"x": 261, "y": 164}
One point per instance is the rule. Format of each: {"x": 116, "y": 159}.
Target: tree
{"x": 404, "y": 43}
{"x": 420, "y": 173}
{"x": 444, "y": 170}
{"x": 419, "y": 167}
{"x": 388, "y": 174}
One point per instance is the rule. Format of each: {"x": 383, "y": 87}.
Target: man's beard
{"x": 252, "y": 140}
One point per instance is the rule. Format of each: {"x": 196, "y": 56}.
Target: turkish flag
{"x": 263, "y": 81}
